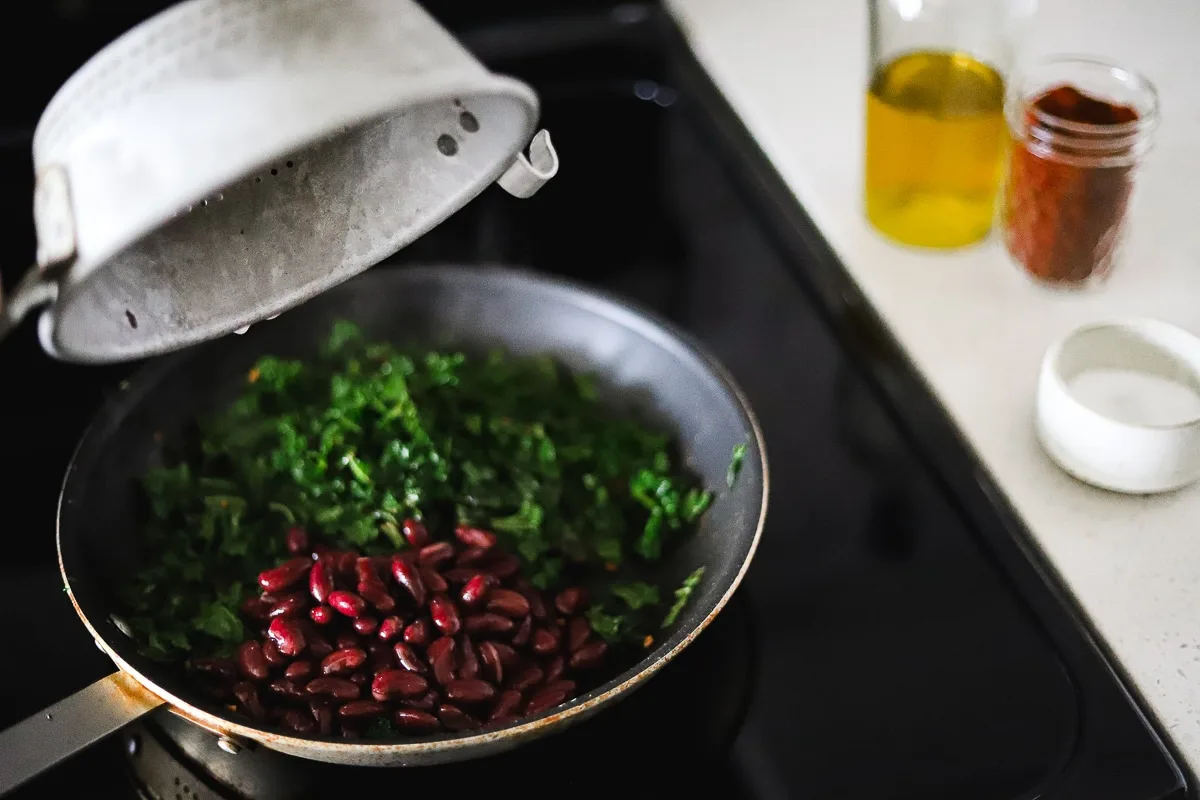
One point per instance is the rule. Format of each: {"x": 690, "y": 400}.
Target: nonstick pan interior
{"x": 635, "y": 360}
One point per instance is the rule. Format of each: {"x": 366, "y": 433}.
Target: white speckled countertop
{"x": 975, "y": 327}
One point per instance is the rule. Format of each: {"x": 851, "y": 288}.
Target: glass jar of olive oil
{"x": 935, "y": 133}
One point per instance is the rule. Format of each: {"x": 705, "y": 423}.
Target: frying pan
{"x": 638, "y": 361}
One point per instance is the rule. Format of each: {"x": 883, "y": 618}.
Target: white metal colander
{"x": 229, "y": 159}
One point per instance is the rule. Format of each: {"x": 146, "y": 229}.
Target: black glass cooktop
{"x": 892, "y": 639}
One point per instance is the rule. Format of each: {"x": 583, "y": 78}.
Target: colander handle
{"x": 36, "y": 288}
{"x": 528, "y": 174}
{"x": 55, "y": 224}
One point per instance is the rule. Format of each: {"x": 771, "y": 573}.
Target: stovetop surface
{"x": 876, "y": 649}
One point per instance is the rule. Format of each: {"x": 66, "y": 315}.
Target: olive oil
{"x": 935, "y": 148}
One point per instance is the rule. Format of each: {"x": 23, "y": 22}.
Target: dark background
{"x": 894, "y": 637}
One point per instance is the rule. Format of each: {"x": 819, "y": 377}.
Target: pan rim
{"x": 601, "y": 302}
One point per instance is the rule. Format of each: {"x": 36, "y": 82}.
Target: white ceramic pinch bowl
{"x": 1139, "y": 433}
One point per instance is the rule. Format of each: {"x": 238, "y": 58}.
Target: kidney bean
{"x": 545, "y": 641}
{"x": 578, "y": 632}
{"x": 300, "y": 669}
{"x": 571, "y": 601}
{"x": 252, "y": 662}
{"x": 382, "y": 657}
{"x": 476, "y": 589}
{"x": 507, "y": 719}
{"x": 343, "y": 564}
{"x": 341, "y": 688}
{"x": 505, "y": 567}
{"x": 441, "y": 659}
{"x": 320, "y": 581}
{"x": 508, "y": 656}
{"x": 322, "y": 711}
{"x": 376, "y": 594}
{"x": 460, "y": 575}
{"x": 297, "y": 541}
{"x": 489, "y": 623}
{"x": 471, "y": 557}
{"x": 247, "y": 698}
{"x": 553, "y": 695}
{"x": 509, "y": 603}
{"x": 509, "y": 702}
{"x": 298, "y": 721}
{"x": 390, "y": 628}
{"x": 468, "y": 658}
{"x": 455, "y": 719}
{"x": 348, "y": 603}
{"x": 318, "y": 645}
{"x": 445, "y": 615}
{"x": 256, "y": 608}
{"x": 415, "y": 533}
{"x": 285, "y": 687}
{"x": 225, "y": 669}
{"x": 524, "y": 631}
{"x": 221, "y": 692}
{"x": 273, "y": 654}
{"x": 588, "y": 656}
{"x": 425, "y": 702}
{"x": 527, "y": 678}
{"x": 409, "y": 719}
{"x": 537, "y": 606}
{"x": 364, "y": 570}
{"x": 343, "y": 661}
{"x": 289, "y": 605}
{"x": 554, "y": 669}
{"x": 475, "y": 537}
{"x": 418, "y": 632}
{"x": 408, "y": 576}
{"x": 433, "y": 554}
{"x": 445, "y": 670}
{"x": 394, "y": 684}
{"x": 361, "y": 709}
{"x": 279, "y": 578}
{"x": 473, "y": 690}
{"x": 492, "y": 662}
{"x": 433, "y": 581}
{"x": 408, "y": 658}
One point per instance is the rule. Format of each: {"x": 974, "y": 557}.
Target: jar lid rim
{"x": 1147, "y": 117}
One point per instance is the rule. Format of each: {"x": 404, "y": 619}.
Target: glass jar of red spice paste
{"x": 1079, "y": 130}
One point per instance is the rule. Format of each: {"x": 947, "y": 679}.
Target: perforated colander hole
{"x": 468, "y": 121}
{"x": 131, "y": 319}
{"x": 447, "y": 145}
{"x": 274, "y": 171}
{"x": 290, "y": 164}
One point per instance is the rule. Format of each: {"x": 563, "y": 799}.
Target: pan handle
{"x": 60, "y": 731}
